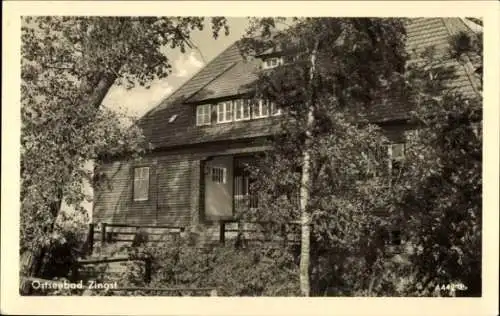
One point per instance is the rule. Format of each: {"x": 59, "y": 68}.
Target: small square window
{"x": 219, "y": 175}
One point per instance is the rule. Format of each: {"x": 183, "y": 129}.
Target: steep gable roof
{"x": 230, "y": 74}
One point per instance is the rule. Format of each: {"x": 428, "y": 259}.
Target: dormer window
{"x": 225, "y": 112}
{"x": 203, "y": 114}
{"x": 272, "y": 62}
{"x": 241, "y": 110}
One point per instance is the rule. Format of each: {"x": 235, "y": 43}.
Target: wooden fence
{"x": 258, "y": 232}
{"x": 126, "y": 233}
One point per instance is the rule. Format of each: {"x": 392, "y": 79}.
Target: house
{"x": 203, "y": 133}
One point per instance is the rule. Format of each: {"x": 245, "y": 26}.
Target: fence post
{"x": 91, "y": 239}
{"x": 222, "y": 233}
{"x": 103, "y": 233}
{"x": 147, "y": 270}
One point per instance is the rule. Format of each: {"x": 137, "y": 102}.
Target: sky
{"x": 139, "y": 100}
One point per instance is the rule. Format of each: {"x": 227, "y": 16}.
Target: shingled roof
{"x": 229, "y": 74}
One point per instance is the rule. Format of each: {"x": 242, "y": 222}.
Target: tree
{"x": 439, "y": 192}
{"x": 68, "y": 66}
{"x": 334, "y": 68}
{"x": 436, "y": 196}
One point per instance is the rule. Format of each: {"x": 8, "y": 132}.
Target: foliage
{"x": 261, "y": 271}
{"x": 435, "y": 198}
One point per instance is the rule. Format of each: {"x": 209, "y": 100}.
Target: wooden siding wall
{"x": 174, "y": 192}
{"x": 176, "y": 197}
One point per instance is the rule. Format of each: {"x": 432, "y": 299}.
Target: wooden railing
{"x": 107, "y": 236}
{"x": 147, "y": 265}
{"x": 284, "y": 230}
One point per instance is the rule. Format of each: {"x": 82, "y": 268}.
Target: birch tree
{"x": 333, "y": 69}
{"x": 436, "y": 197}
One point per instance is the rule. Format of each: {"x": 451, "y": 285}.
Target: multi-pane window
{"x": 203, "y": 114}
{"x": 261, "y": 109}
{"x": 241, "y": 110}
{"x": 141, "y": 183}
{"x": 225, "y": 112}
{"x": 272, "y": 62}
{"x": 234, "y": 110}
{"x": 219, "y": 174}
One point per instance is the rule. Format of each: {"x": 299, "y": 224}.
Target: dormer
{"x": 273, "y": 57}
{"x": 272, "y": 62}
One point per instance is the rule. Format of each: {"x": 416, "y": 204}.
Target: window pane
{"x": 398, "y": 151}
{"x": 274, "y": 109}
{"x": 246, "y": 110}
{"x": 141, "y": 183}
{"x": 264, "y": 111}
{"x": 218, "y": 175}
{"x": 229, "y": 111}
{"x": 237, "y": 109}
{"x": 220, "y": 112}
{"x": 203, "y": 114}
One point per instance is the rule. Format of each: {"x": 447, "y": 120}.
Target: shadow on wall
{"x": 169, "y": 193}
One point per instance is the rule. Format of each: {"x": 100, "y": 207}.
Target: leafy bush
{"x": 259, "y": 271}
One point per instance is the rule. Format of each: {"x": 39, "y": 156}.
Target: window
{"x": 203, "y": 114}
{"x": 261, "y": 109}
{"x": 225, "y": 112}
{"x": 396, "y": 154}
{"x": 141, "y": 183}
{"x": 272, "y": 62}
{"x": 241, "y": 110}
{"x": 243, "y": 195}
{"x": 395, "y": 237}
{"x": 218, "y": 174}
{"x": 275, "y": 110}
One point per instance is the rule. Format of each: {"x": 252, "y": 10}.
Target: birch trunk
{"x": 305, "y": 216}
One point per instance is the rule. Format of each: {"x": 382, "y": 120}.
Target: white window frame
{"x": 225, "y": 112}
{"x": 203, "y": 114}
{"x": 273, "y": 108}
{"x": 259, "y": 109}
{"x": 272, "y": 62}
{"x": 141, "y": 174}
{"x": 218, "y": 175}
{"x": 239, "y": 108}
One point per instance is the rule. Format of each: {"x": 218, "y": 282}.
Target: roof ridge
{"x": 188, "y": 80}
